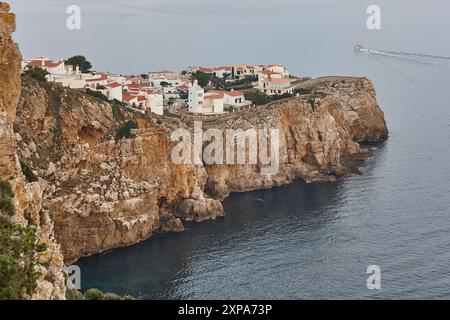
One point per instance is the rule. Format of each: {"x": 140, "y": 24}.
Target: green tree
{"x": 202, "y": 78}
{"x": 81, "y": 62}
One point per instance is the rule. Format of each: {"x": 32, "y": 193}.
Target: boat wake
{"x": 419, "y": 57}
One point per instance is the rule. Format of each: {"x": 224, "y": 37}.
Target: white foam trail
{"x": 409, "y": 56}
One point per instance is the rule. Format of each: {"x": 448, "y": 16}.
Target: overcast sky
{"x": 139, "y": 35}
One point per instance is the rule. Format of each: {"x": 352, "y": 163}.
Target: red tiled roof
{"x": 44, "y": 63}
{"x": 127, "y": 97}
{"x": 113, "y": 85}
{"x": 269, "y": 72}
{"x": 152, "y": 91}
{"x": 183, "y": 88}
{"x": 234, "y": 93}
{"x": 214, "y": 96}
{"x": 102, "y": 77}
{"x": 142, "y": 98}
{"x": 279, "y": 81}
{"x": 206, "y": 70}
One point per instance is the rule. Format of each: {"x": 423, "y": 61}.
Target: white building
{"x": 196, "y": 98}
{"x": 161, "y": 74}
{"x": 117, "y": 78}
{"x": 241, "y": 71}
{"x": 233, "y": 98}
{"x": 213, "y": 103}
{"x": 114, "y": 91}
{"x": 97, "y": 80}
{"x": 51, "y": 66}
{"x": 276, "y": 86}
{"x": 155, "y": 102}
{"x": 263, "y": 74}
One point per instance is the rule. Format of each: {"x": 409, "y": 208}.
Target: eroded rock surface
{"x": 27, "y": 196}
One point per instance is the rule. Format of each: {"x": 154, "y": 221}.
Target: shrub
{"x": 6, "y": 201}
{"x": 257, "y": 97}
{"x": 282, "y": 96}
{"x": 27, "y": 172}
{"x": 72, "y": 294}
{"x": 111, "y": 296}
{"x": 202, "y": 78}
{"x": 37, "y": 74}
{"x": 18, "y": 261}
{"x": 128, "y": 297}
{"x": 124, "y": 132}
{"x": 97, "y": 95}
{"x": 94, "y": 294}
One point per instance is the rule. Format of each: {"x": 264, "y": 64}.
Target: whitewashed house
{"x": 233, "y": 98}
{"x": 196, "y": 98}
{"x": 213, "y": 103}
{"x": 114, "y": 91}
{"x": 96, "y": 81}
{"x": 276, "y": 86}
{"x": 116, "y": 78}
{"x": 242, "y": 71}
{"x": 161, "y": 74}
{"x": 49, "y": 65}
{"x": 130, "y": 100}
{"x": 155, "y": 102}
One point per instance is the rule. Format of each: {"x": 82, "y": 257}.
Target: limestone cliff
{"x": 27, "y": 196}
{"x": 104, "y": 193}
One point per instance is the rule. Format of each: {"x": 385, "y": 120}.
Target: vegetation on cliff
{"x": 95, "y": 294}
{"x": 38, "y": 74}
{"x": 6, "y": 199}
{"x": 19, "y": 267}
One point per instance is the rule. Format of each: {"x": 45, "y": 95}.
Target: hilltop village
{"x": 195, "y": 90}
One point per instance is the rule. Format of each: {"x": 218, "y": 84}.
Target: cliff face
{"x": 319, "y": 135}
{"x": 27, "y": 198}
{"x": 104, "y": 193}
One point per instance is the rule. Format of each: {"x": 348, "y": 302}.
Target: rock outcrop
{"x": 27, "y": 196}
